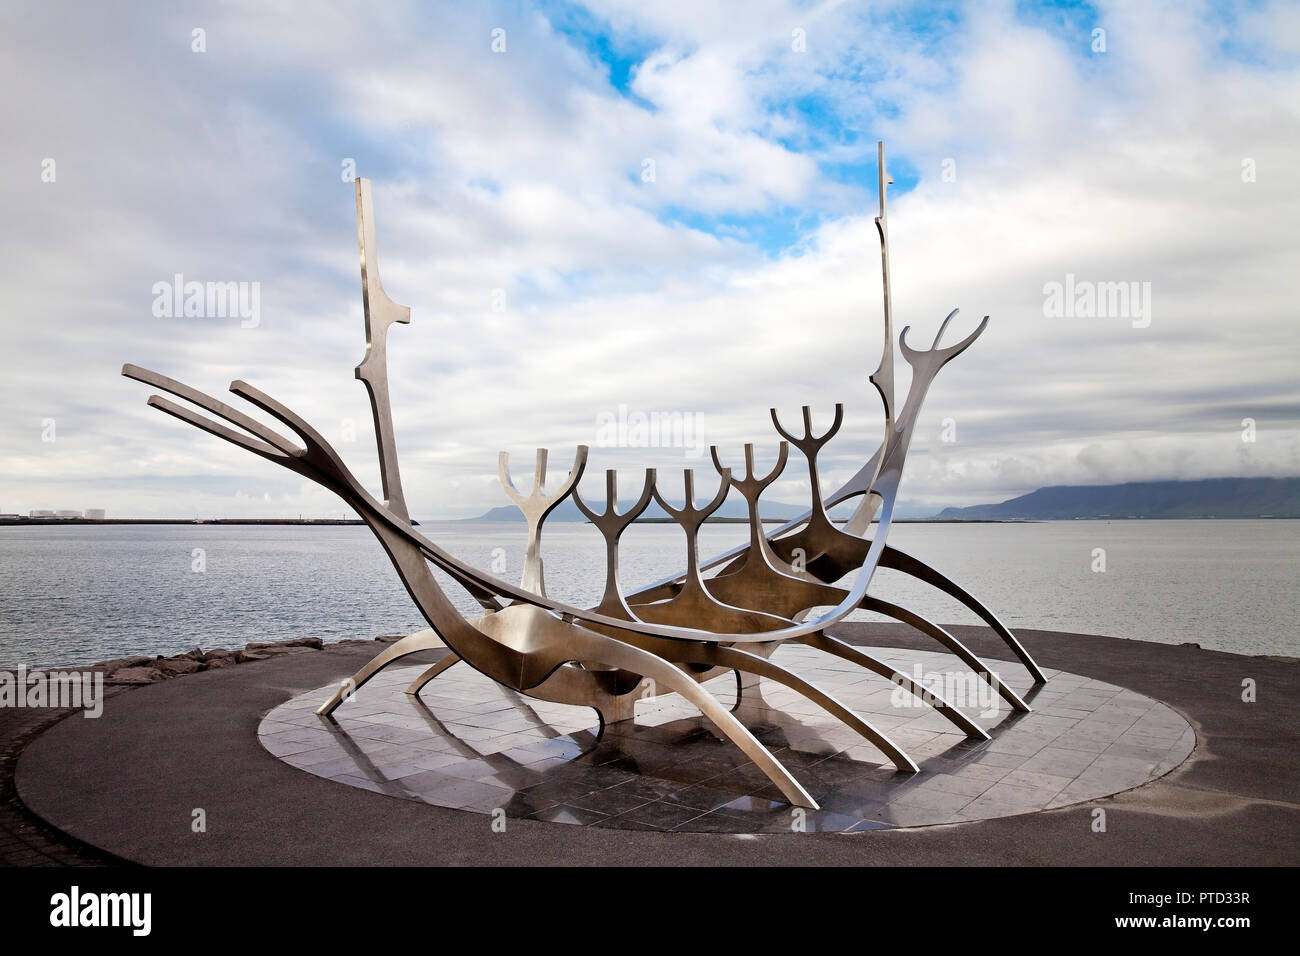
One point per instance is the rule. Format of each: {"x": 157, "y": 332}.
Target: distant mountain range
{"x": 1207, "y": 498}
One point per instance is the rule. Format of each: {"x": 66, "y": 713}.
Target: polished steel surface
{"x": 833, "y": 554}
{"x": 693, "y": 606}
{"x": 783, "y": 586}
{"x": 380, "y": 313}
{"x": 536, "y": 505}
{"x": 761, "y": 579}
{"x": 883, "y": 376}
{"x": 611, "y": 525}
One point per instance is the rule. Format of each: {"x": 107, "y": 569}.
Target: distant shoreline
{"x": 94, "y": 521}
{"x": 841, "y": 520}
{"x": 357, "y": 521}
{"x": 333, "y": 522}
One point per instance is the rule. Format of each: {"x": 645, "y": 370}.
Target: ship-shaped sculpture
{"x": 678, "y": 632}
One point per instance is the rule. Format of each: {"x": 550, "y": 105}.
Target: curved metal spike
{"x": 945, "y": 355}
{"x": 688, "y": 514}
{"x": 221, "y": 431}
{"x": 717, "y": 462}
{"x": 942, "y": 326}
{"x": 611, "y": 526}
{"x": 536, "y": 505}
{"x": 508, "y": 485}
{"x": 218, "y": 408}
{"x": 318, "y": 454}
{"x": 781, "y": 430}
{"x": 537, "y": 501}
{"x": 809, "y": 440}
{"x": 750, "y": 482}
{"x": 610, "y": 518}
{"x": 313, "y": 440}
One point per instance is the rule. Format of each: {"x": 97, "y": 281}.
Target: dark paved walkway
{"x": 130, "y": 781}
{"x": 25, "y": 839}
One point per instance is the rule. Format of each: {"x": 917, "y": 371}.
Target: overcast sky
{"x": 552, "y": 279}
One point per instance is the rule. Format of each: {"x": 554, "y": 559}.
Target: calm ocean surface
{"x": 71, "y": 595}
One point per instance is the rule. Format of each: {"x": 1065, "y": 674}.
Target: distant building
{"x": 42, "y": 514}
{"x": 10, "y": 517}
{"x": 95, "y": 514}
{"x": 66, "y": 513}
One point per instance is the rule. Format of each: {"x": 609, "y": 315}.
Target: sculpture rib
{"x": 845, "y": 651}
{"x": 897, "y": 560}
{"x": 899, "y": 613}
{"x": 617, "y": 654}
{"x": 753, "y": 664}
{"x": 611, "y": 526}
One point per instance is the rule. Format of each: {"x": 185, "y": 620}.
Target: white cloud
{"x": 522, "y": 172}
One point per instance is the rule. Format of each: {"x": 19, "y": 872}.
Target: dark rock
{"x": 245, "y": 656}
{"x": 389, "y": 638}
{"x": 218, "y": 654}
{"x": 194, "y": 655}
{"x": 181, "y": 665}
{"x": 280, "y": 651}
{"x": 312, "y": 642}
{"x": 257, "y": 645}
{"x": 136, "y": 675}
{"x": 118, "y": 663}
{"x": 216, "y": 663}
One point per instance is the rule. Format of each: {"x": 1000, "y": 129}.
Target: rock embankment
{"x": 147, "y": 670}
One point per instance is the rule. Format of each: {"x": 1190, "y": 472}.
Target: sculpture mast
{"x": 883, "y": 377}
{"x": 380, "y": 312}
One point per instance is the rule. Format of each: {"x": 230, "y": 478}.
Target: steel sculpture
{"x": 782, "y": 585}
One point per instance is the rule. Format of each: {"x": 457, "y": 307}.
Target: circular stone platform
{"x": 468, "y": 743}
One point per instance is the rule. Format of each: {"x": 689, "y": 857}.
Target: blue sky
{"x": 551, "y": 280}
